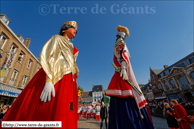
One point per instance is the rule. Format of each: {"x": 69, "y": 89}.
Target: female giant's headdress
{"x": 72, "y": 23}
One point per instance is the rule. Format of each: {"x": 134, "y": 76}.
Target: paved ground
{"x": 83, "y": 123}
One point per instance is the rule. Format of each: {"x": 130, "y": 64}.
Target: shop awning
{"x": 163, "y": 97}
{"x": 9, "y": 91}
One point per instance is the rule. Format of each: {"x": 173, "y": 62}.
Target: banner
{"x": 10, "y": 60}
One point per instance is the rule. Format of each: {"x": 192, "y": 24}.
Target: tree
{"x": 80, "y": 88}
{"x": 80, "y": 91}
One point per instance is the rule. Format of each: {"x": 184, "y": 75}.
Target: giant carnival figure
{"x": 52, "y": 95}
{"x": 127, "y": 103}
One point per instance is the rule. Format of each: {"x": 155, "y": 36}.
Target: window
{"x": 180, "y": 65}
{"x": 167, "y": 72}
{"x": 166, "y": 85}
{"x": 3, "y": 40}
{"x": 21, "y": 39}
{"x": 191, "y": 60}
{"x": 192, "y": 75}
{"x": 14, "y": 75}
{"x": 162, "y": 74}
{"x": 187, "y": 62}
{"x": 184, "y": 83}
{"x": 172, "y": 84}
{"x": 159, "y": 86}
{"x": 5, "y": 20}
{"x": 24, "y": 80}
{"x": 21, "y": 56}
{"x": 29, "y": 64}
{"x": 13, "y": 48}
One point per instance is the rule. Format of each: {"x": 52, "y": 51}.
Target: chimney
{"x": 165, "y": 66}
{"x": 27, "y": 42}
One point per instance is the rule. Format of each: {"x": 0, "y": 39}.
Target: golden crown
{"x": 72, "y": 23}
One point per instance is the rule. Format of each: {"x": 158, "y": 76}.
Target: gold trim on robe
{"x": 57, "y": 58}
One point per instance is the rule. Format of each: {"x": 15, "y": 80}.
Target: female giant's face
{"x": 70, "y": 32}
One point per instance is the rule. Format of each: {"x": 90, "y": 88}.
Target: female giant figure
{"x": 51, "y": 95}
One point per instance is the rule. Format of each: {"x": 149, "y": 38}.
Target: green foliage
{"x": 80, "y": 88}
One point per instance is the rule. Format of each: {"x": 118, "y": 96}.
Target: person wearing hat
{"x": 103, "y": 115}
{"x": 127, "y": 103}
{"x": 97, "y": 109}
{"x": 51, "y": 95}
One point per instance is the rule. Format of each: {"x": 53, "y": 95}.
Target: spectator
{"x": 98, "y": 112}
{"x": 171, "y": 121}
{"x": 1, "y": 107}
{"x": 103, "y": 115}
{"x": 2, "y": 114}
{"x": 191, "y": 119}
{"x": 180, "y": 115}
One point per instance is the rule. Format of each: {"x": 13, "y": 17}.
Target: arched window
{"x": 166, "y": 85}
{"x": 172, "y": 84}
{"x": 192, "y": 75}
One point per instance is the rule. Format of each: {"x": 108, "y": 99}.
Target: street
{"x": 159, "y": 123}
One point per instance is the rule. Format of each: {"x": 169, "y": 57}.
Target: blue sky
{"x": 160, "y": 34}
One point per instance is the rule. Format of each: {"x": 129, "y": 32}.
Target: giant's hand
{"x": 123, "y": 70}
{"x": 46, "y": 92}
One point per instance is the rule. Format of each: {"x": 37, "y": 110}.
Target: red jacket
{"x": 180, "y": 113}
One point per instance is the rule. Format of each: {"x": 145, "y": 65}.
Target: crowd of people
{"x": 187, "y": 106}
{"x": 95, "y": 111}
{"x": 175, "y": 113}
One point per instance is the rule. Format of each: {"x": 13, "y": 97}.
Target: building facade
{"x": 178, "y": 80}
{"x": 16, "y": 60}
{"x": 92, "y": 96}
{"x": 97, "y": 93}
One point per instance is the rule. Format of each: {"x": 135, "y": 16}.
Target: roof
{"x": 97, "y": 88}
{"x": 157, "y": 71}
{"x": 87, "y": 94}
{"x": 181, "y": 60}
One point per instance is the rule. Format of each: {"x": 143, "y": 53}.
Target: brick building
{"x": 86, "y": 97}
{"x": 17, "y": 59}
{"x": 157, "y": 88}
